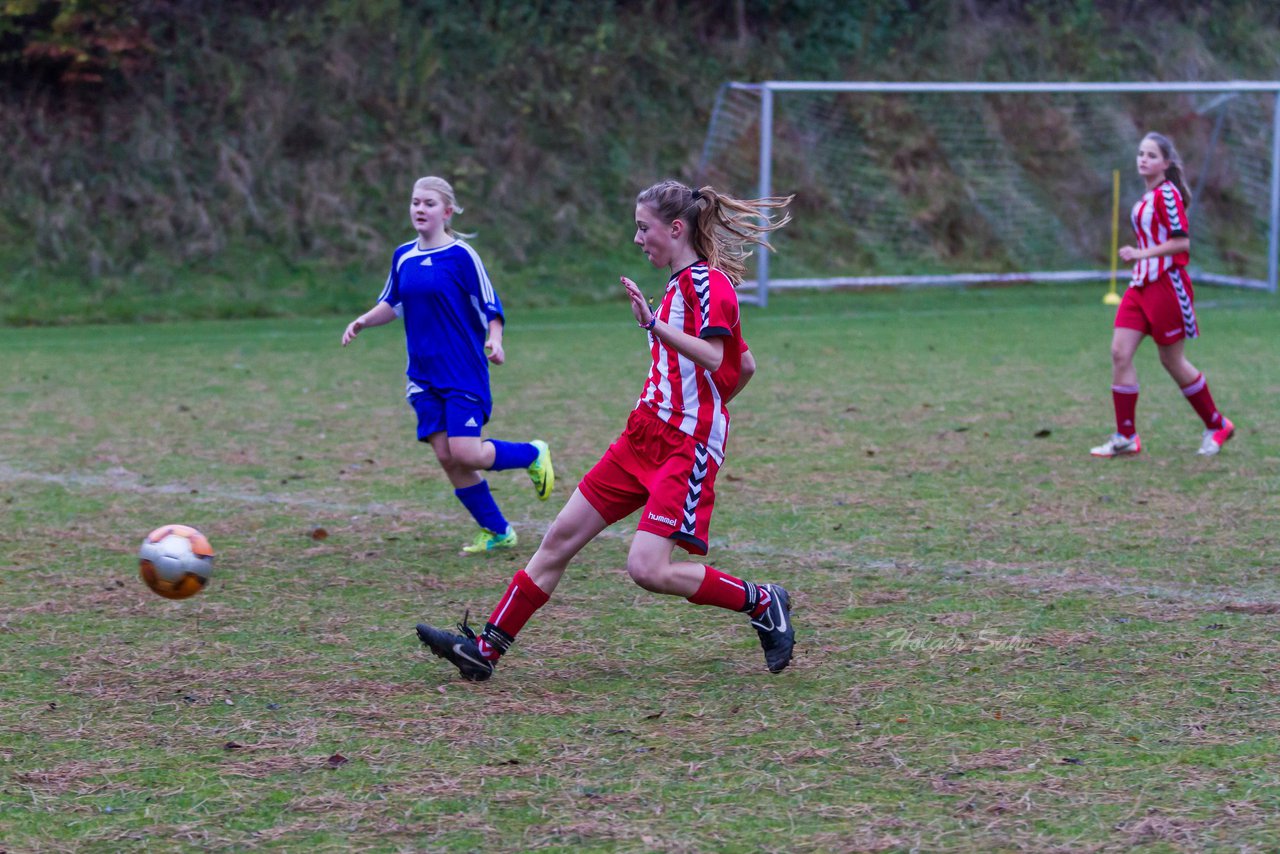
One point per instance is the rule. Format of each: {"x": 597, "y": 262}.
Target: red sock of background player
{"x": 517, "y": 605}
{"x": 1197, "y": 394}
{"x": 725, "y": 591}
{"x": 1125, "y": 398}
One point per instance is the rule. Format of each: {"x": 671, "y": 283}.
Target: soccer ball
{"x": 176, "y": 561}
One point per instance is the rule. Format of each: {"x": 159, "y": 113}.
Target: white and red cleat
{"x": 1213, "y": 440}
{"x": 1118, "y": 446}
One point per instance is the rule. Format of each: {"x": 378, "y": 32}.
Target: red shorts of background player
{"x": 1163, "y": 309}
{"x": 665, "y": 473}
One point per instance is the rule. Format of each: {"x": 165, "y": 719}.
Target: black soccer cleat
{"x": 461, "y": 651}
{"x": 777, "y": 635}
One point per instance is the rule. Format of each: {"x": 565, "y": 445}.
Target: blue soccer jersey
{"x": 446, "y": 301}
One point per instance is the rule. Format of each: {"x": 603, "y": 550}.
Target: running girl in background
{"x": 1159, "y": 302}
{"x": 665, "y": 462}
{"x": 452, "y": 318}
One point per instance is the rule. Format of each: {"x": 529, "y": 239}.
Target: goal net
{"x": 917, "y": 183}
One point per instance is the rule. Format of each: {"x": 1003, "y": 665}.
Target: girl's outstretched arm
{"x": 380, "y": 314}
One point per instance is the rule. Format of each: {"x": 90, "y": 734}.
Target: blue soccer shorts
{"x": 455, "y": 412}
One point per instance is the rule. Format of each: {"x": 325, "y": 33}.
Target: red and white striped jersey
{"x": 1158, "y": 216}
{"x": 702, "y": 302}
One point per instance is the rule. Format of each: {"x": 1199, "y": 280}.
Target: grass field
{"x": 1004, "y": 644}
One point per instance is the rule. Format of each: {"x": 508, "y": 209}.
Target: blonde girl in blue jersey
{"x": 453, "y": 324}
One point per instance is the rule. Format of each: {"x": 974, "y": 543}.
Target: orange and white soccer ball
{"x": 176, "y": 561}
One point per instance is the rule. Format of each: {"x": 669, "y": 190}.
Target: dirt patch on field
{"x": 79, "y": 778}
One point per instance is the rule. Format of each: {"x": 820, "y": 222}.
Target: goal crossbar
{"x": 768, "y": 90}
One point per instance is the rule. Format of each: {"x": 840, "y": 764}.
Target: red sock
{"x": 1201, "y": 401}
{"x": 725, "y": 591}
{"x": 517, "y": 605}
{"x": 1125, "y": 398}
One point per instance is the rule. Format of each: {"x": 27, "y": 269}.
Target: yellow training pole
{"x": 1111, "y": 297}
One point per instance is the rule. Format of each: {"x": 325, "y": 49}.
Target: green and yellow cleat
{"x": 541, "y": 472}
{"x": 487, "y": 541}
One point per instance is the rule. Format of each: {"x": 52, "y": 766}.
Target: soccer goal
{"x": 959, "y": 183}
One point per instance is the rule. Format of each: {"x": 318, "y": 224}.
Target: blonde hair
{"x": 441, "y": 186}
{"x": 720, "y": 226}
{"x": 1172, "y": 172}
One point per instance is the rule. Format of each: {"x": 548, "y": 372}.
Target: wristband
{"x": 652, "y": 320}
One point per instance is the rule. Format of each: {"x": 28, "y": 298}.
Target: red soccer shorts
{"x": 665, "y": 473}
{"x": 1163, "y": 309}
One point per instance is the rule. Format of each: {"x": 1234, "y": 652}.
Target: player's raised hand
{"x": 639, "y": 305}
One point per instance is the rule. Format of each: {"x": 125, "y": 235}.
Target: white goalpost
{"x": 962, "y": 183}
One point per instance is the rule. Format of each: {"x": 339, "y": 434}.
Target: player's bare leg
{"x": 1195, "y": 388}
{"x": 463, "y": 458}
{"x": 650, "y": 565}
{"x": 474, "y": 655}
{"x": 1124, "y": 395}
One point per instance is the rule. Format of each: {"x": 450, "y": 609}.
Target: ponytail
{"x": 1172, "y": 172}
{"x": 721, "y": 227}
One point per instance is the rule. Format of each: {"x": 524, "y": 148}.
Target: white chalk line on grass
{"x": 124, "y": 481}
{"x": 1013, "y": 575}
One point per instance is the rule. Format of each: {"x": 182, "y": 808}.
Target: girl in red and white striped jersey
{"x": 1159, "y": 302}
{"x": 665, "y": 462}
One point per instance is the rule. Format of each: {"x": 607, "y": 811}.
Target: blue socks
{"x": 479, "y": 500}
{"x": 512, "y": 455}
{"x": 480, "y": 504}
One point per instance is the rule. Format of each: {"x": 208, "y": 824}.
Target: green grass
{"x": 251, "y": 282}
{"x": 1004, "y": 644}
